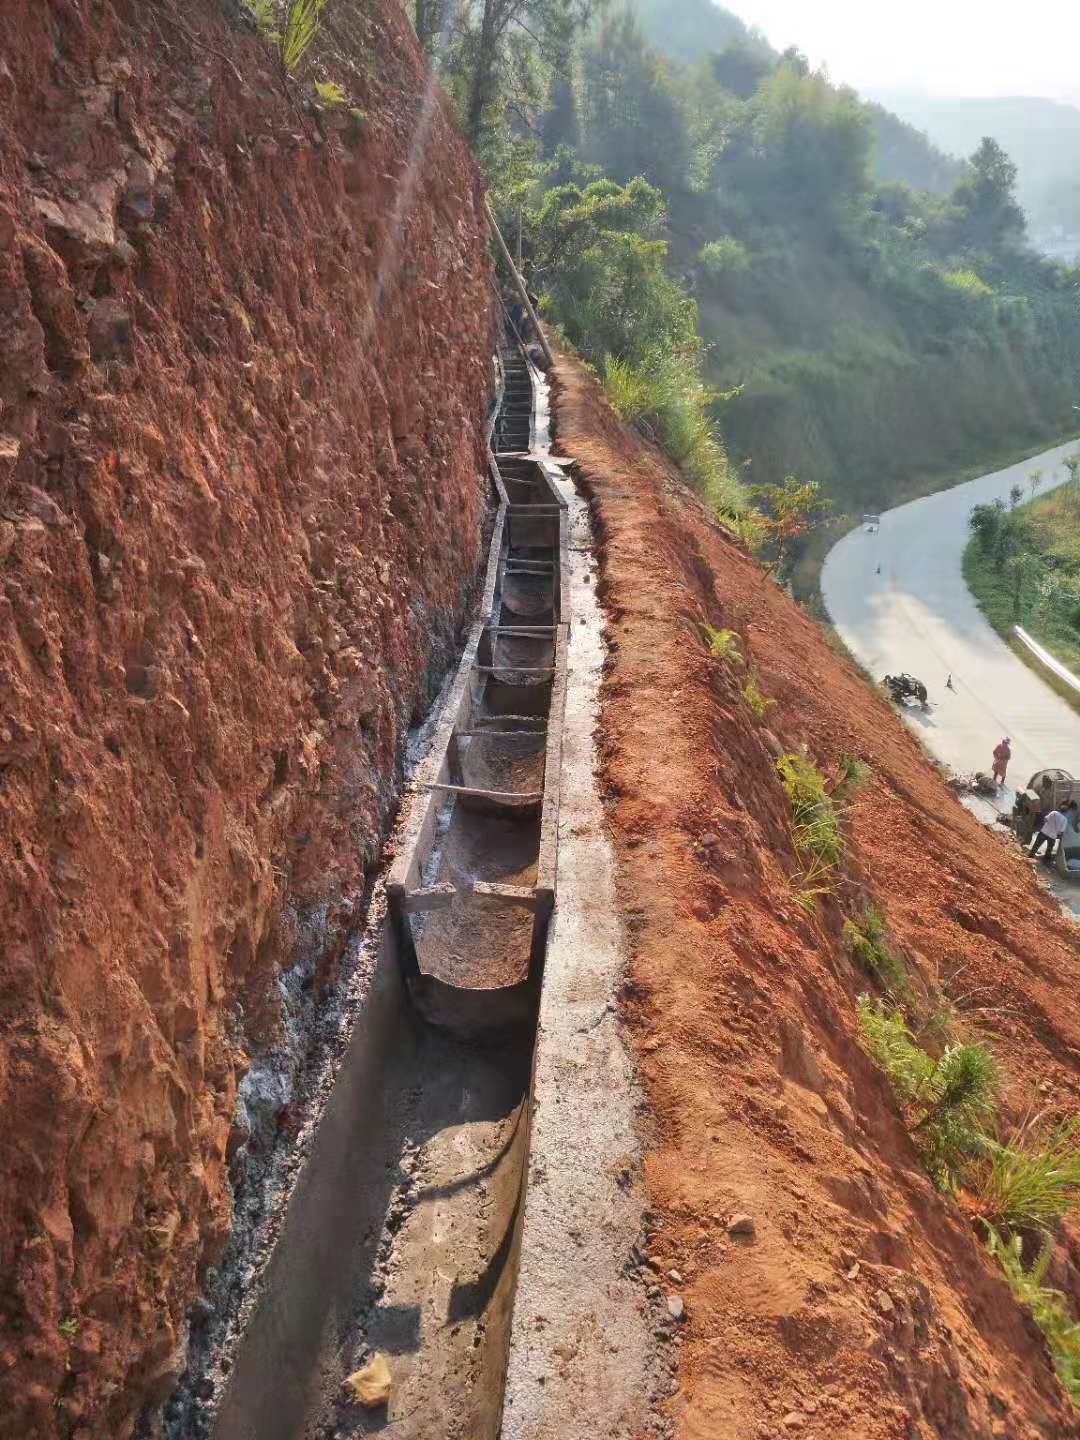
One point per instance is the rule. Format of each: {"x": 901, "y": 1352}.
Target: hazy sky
{"x": 952, "y": 47}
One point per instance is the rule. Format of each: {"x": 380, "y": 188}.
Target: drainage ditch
{"x": 401, "y": 1229}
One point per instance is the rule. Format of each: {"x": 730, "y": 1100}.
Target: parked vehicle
{"x": 905, "y": 687}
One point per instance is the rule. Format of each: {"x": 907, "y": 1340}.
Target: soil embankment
{"x": 245, "y": 368}
{"x": 862, "y": 1303}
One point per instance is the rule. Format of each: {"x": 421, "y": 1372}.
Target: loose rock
{"x": 370, "y": 1384}
{"x": 740, "y": 1225}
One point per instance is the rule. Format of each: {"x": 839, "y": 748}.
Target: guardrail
{"x": 1046, "y": 659}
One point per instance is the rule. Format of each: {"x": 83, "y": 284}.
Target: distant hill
{"x": 1041, "y": 136}
{"x": 903, "y": 152}
{"x": 692, "y": 29}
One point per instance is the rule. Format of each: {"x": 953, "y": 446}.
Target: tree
{"x": 603, "y": 276}
{"x": 559, "y": 122}
{"x": 489, "y": 56}
{"x": 740, "y": 68}
{"x": 989, "y": 216}
{"x": 984, "y": 523}
{"x": 1016, "y": 494}
{"x": 813, "y": 143}
{"x": 1034, "y": 481}
{"x": 633, "y": 122}
{"x": 431, "y": 19}
{"x": 788, "y": 513}
{"x": 1012, "y": 538}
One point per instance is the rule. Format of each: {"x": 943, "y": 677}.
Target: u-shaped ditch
{"x": 401, "y": 1231}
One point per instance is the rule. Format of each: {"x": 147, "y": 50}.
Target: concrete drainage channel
{"x": 402, "y": 1234}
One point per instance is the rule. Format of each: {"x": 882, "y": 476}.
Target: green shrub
{"x": 664, "y": 396}
{"x": 758, "y": 702}
{"x": 723, "y": 257}
{"x": 1049, "y": 1308}
{"x": 723, "y": 644}
{"x": 1032, "y": 1180}
{"x": 966, "y": 281}
{"x": 948, "y": 1101}
{"x": 330, "y": 93}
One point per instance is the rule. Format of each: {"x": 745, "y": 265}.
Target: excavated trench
{"x": 401, "y": 1231}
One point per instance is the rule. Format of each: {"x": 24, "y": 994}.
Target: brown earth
{"x": 243, "y": 375}
{"x": 863, "y": 1304}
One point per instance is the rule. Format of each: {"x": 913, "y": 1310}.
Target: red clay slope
{"x": 864, "y": 1305}
{"x": 243, "y": 375}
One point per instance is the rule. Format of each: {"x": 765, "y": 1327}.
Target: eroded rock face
{"x": 224, "y": 567}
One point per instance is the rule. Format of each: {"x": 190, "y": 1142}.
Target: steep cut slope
{"x": 861, "y": 1303}
{"x": 242, "y": 394}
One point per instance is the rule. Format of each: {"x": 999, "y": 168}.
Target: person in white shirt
{"x": 1053, "y": 827}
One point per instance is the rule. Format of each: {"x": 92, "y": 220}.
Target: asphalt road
{"x": 918, "y": 615}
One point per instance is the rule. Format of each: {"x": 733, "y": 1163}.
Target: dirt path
{"x": 862, "y": 1303}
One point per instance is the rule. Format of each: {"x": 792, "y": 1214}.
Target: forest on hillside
{"x": 773, "y": 277}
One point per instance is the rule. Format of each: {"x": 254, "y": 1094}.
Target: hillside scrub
{"x": 1023, "y": 566}
{"x": 856, "y": 309}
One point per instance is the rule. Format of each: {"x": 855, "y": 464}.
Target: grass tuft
{"x": 302, "y": 20}
{"x": 815, "y": 822}
{"x": 663, "y": 395}
{"x": 854, "y": 774}
{"x": 1033, "y": 1179}
{"x": 864, "y": 940}
{"x": 1049, "y": 1308}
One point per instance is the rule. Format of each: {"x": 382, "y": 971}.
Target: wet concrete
{"x": 583, "y": 1358}
{"x": 399, "y": 1236}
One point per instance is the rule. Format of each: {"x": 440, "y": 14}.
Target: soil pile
{"x": 828, "y": 1288}
{"x": 246, "y": 359}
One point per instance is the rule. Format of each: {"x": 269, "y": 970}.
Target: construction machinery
{"x": 1050, "y": 789}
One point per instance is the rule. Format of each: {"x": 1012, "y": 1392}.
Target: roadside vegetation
{"x": 1022, "y": 563}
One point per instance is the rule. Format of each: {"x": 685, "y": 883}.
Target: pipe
{"x": 519, "y": 285}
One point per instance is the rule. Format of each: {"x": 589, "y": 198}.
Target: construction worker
{"x": 1002, "y": 756}
{"x": 1053, "y": 827}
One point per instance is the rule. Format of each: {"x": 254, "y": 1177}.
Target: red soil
{"x": 243, "y": 375}
{"x": 864, "y": 1305}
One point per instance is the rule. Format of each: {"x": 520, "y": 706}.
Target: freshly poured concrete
{"x": 582, "y": 1358}
{"x": 918, "y": 615}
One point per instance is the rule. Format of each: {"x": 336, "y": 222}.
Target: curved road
{"x": 918, "y": 615}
